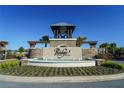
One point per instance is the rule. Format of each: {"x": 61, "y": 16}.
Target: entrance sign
{"x": 68, "y": 53}
{"x": 61, "y": 52}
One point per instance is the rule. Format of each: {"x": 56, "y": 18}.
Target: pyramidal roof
{"x": 62, "y": 24}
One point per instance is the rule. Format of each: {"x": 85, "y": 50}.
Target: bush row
{"x": 9, "y": 64}
{"x": 113, "y": 65}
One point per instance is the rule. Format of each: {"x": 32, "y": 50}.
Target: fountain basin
{"x": 60, "y": 63}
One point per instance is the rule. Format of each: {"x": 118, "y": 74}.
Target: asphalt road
{"x": 103, "y": 84}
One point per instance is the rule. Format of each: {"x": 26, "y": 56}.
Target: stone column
{"x": 3, "y": 48}
{"x": 57, "y": 33}
{"x": 32, "y": 44}
{"x": 54, "y": 33}
{"x": 68, "y": 36}
{"x": 70, "y": 33}
{"x": 92, "y": 45}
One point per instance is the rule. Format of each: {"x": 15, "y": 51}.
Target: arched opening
{"x": 62, "y": 45}
{"x": 41, "y": 45}
{"x": 85, "y": 46}
{"x": 38, "y": 45}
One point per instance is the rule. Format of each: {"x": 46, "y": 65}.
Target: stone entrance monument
{"x": 63, "y": 47}
{"x": 3, "y": 50}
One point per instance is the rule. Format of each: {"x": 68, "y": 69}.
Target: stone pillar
{"x": 24, "y": 62}
{"x": 3, "y": 44}
{"x": 99, "y": 62}
{"x": 57, "y": 33}
{"x": 92, "y": 45}
{"x": 54, "y": 33}
{"x": 70, "y": 33}
{"x": 32, "y": 44}
{"x": 3, "y": 49}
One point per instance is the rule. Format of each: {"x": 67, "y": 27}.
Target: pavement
{"x": 62, "y": 79}
{"x": 100, "y": 84}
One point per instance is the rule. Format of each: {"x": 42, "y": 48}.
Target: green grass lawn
{"x": 13, "y": 68}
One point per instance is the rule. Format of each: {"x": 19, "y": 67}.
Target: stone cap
{"x": 31, "y": 42}
{"x": 90, "y": 42}
{"x": 62, "y": 24}
{"x": 4, "y": 42}
{"x": 3, "y": 45}
{"x": 63, "y": 39}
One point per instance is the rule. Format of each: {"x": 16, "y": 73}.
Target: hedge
{"x": 113, "y": 65}
{"x": 7, "y": 64}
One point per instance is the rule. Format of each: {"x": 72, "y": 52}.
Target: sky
{"x": 19, "y": 24}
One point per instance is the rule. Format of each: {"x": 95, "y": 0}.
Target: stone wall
{"x": 76, "y": 52}
{"x": 2, "y": 53}
{"x": 35, "y": 53}
{"x": 2, "y": 48}
{"x": 62, "y": 53}
{"x": 89, "y": 52}
{"x": 69, "y": 43}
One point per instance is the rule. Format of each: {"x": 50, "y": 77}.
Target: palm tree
{"x": 80, "y": 41}
{"x": 45, "y": 39}
{"x": 113, "y": 46}
{"x": 105, "y": 46}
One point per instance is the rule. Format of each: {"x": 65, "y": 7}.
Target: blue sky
{"x": 18, "y": 24}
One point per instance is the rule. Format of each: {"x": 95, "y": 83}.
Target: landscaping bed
{"x": 58, "y": 71}
{"x": 13, "y": 68}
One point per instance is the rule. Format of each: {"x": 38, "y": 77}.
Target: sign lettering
{"x": 61, "y": 52}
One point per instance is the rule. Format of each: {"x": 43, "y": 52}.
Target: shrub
{"x": 104, "y": 56}
{"x": 113, "y": 65}
{"x": 9, "y": 64}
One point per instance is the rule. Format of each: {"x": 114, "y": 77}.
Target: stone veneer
{"x": 2, "y": 49}
{"x": 72, "y": 53}
{"x": 38, "y": 53}
{"x": 35, "y": 53}
{"x": 63, "y": 42}
{"x": 89, "y": 52}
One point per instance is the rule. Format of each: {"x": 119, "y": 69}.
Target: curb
{"x": 61, "y": 79}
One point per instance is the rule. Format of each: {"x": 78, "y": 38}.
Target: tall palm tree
{"x": 113, "y": 46}
{"x": 45, "y": 39}
{"x": 80, "y": 41}
{"x": 105, "y": 46}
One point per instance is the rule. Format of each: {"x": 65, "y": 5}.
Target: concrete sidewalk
{"x": 62, "y": 79}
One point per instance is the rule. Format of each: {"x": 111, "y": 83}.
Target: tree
{"x": 21, "y": 49}
{"x": 119, "y": 52}
{"x": 80, "y": 41}
{"x": 105, "y": 46}
{"x": 45, "y": 39}
{"x": 112, "y": 48}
